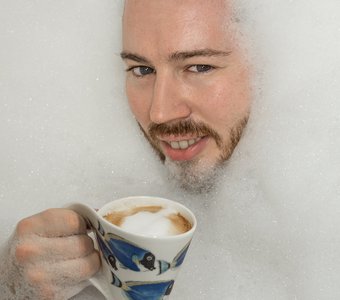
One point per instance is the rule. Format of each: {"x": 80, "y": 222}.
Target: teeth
{"x": 183, "y": 144}
{"x": 191, "y": 142}
{"x": 174, "y": 145}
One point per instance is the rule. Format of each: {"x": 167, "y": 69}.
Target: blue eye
{"x": 142, "y": 71}
{"x": 200, "y": 68}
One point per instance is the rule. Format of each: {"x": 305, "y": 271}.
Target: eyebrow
{"x": 183, "y": 55}
{"x": 176, "y": 56}
{"x": 135, "y": 57}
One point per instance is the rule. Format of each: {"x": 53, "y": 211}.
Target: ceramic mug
{"x": 136, "y": 266}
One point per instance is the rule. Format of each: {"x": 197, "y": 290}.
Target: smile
{"x": 185, "y": 149}
{"x": 183, "y": 144}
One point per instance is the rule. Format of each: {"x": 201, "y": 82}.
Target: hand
{"x": 53, "y": 254}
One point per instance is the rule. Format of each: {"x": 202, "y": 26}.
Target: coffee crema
{"x": 150, "y": 220}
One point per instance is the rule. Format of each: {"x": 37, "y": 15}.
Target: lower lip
{"x": 184, "y": 154}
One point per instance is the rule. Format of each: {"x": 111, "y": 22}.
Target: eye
{"x": 141, "y": 71}
{"x": 200, "y": 68}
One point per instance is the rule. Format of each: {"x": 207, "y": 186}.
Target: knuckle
{"x": 49, "y": 214}
{"x": 24, "y": 226}
{"x": 36, "y": 277}
{"x": 25, "y": 252}
{"x": 73, "y": 220}
{"x": 92, "y": 264}
{"x": 40, "y": 288}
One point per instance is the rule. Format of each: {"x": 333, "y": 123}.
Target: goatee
{"x": 195, "y": 176}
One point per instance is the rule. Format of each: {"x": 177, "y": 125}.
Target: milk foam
{"x": 151, "y": 223}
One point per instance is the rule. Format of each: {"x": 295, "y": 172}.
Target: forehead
{"x": 157, "y": 27}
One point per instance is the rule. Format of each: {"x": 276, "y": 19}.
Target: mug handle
{"x": 90, "y": 216}
{"x": 97, "y": 281}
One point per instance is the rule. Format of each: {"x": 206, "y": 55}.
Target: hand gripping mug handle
{"x": 91, "y": 217}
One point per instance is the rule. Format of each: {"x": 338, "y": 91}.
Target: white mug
{"x": 136, "y": 266}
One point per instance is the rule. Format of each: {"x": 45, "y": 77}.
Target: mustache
{"x": 183, "y": 127}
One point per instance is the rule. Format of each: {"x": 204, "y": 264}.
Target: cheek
{"x": 233, "y": 96}
{"x": 223, "y": 101}
{"x": 214, "y": 100}
{"x": 138, "y": 104}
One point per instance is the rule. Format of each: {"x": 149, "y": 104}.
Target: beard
{"x": 196, "y": 176}
{"x": 193, "y": 176}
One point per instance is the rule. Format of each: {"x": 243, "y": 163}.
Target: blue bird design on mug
{"x": 177, "y": 261}
{"x": 130, "y": 255}
{"x": 137, "y": 290}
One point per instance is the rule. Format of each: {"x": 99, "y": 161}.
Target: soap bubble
{"x": 270, "y": 230}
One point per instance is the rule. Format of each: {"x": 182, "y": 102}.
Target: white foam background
{"x": 271, "y": 231}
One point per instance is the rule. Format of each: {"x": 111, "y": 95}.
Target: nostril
{"x": 169, "y": 112}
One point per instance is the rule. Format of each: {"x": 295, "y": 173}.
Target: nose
{"x": 170, "y": 99}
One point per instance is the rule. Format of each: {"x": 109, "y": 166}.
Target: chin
{"x": 195, "y": 177}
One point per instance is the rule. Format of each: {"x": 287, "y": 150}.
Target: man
{"x": 188, "y": 87}
{"x": 187, "y": 83}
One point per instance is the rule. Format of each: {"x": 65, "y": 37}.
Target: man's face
{"x": 187, "y": 82}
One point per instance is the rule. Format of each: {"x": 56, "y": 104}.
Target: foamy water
{"x": 271, "y": 231}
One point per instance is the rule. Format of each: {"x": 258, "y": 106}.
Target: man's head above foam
{"x": 187, "y": 83}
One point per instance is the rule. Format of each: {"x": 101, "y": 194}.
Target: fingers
{"x": 37, "y": 249}
{"x": 55, "y": 281}
{"x": 56, "y": 222}
{"x": 77, "y": 270}
{"x": 65, "y": 273}
{"x": 52, "y": 251}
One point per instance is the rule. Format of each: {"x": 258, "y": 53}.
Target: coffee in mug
{"x": 152, "y": 220}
